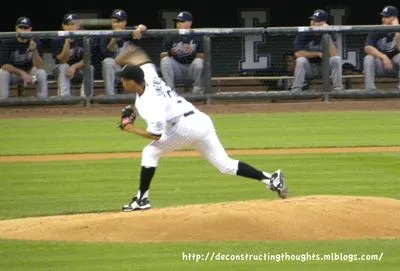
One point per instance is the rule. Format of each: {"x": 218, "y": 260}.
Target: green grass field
{"x": 29, "y": 255}
{"x": 67, "y": 187}
{"x": 239, "y": 131}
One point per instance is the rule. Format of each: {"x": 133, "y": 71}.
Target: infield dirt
{"x": 302, "y": 218}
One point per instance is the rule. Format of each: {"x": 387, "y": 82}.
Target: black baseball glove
{"x": 128, "y": 116}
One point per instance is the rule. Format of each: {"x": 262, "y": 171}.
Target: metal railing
{"x": 207, "y": 33}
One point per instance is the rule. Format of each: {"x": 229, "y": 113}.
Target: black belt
{"x": 188, "y": 113}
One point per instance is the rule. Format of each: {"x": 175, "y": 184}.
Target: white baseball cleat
{"x": 137, "y": 205}
{"x": 277, "y": 184}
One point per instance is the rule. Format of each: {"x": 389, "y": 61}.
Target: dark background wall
{"x": 228, "y": 54}
{"x": 46, "y": 15}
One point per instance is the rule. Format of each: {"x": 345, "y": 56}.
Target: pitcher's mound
{"x": 302, "y": 218}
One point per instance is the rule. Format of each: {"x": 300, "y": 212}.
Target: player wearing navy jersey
{"x": 69, "y": 58}
{"x": 25, "y": 62}
{"x": 182, "y": 57}
{"x": 382, "y": 49}
{"x": 308, "y": 53}
{"x": 111, "y": 47}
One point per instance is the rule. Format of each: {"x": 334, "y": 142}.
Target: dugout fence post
{"x": 87, "y": 71}
{"x": 207, "y": 72}
{"x": 326, "y": 86}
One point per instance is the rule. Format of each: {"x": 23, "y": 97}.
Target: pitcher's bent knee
{"x": 150, "y": 156}
{"x": 228, "y": 166}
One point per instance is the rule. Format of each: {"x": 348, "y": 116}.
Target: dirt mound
{"x": 302, "y": 218}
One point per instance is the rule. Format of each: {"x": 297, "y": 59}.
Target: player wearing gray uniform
{"x": 69, "y": 58}
{"x": 173, "y": 123}
{"x": 382, "y": 49}
{"x": 111, "y": 47}
{"x": 182, "y": 57}
{"x": 308, "y": 52}
{"x": 25, "y": 62}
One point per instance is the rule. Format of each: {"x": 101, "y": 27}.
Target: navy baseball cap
{"x": 119, "y": 14}
{"x": 23, "y": 22}
{"x": 184, "y": 16}
{"x": 70, "y": 18}
{"x": 389, "y": 11}
{"x": 131, "y": 72}
{"x": 319, "y": 15}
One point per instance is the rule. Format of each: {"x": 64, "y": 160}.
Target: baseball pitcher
{"x": 173, "y": 123}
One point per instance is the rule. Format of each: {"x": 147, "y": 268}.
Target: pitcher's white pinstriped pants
{"x": 195, "y": 130}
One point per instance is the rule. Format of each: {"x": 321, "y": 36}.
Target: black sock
{"x": 248, "y": 171}
{"x": 146, "y": 175}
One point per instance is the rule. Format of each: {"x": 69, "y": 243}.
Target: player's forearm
{"x": 138, "y": 131}
{"x": 307, "y": 54}
{"x": 79, "y": 65}
{"x": 332, "y": 50}
{"x": 112, "y": 45}
{"x": 37, "y": 60}
{"x": 371, "y": 50}
{"x": 398, "y": 41}
{"x": 63, "y": 57}
{"x": 10, "y": 68}
{"x": 133, "y": 55}
{"x": 163, "y": 54}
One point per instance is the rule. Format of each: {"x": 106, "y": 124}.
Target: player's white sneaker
{"x": 137, "y": 205}
{"x": 277, "y": 184}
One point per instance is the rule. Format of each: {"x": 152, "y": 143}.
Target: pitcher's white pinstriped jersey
{"x": 159, "y": 105}
{"x": 179, "y": 122}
